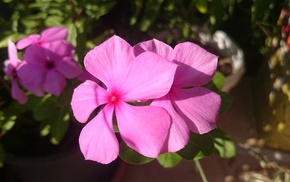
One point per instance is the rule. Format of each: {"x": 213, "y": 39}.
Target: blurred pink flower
{"x": 191, "y": 106}
{"x": 45, "y": 71}
{"x": 11, "y": 68}
{"x": 44, "y": 39}
{"x": 143, "y": 128}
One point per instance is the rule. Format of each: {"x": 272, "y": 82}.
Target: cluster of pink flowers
{"x": 151, "y": 92}
{"x": 170, "y": 79}
{"x": 48, "y": 60}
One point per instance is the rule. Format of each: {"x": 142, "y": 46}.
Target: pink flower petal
{"x": 32, "y": 77}
{"x": 143, "y": 128}
{"x": 179, "y": 131}
{"x": 150, "y": 76}
{"x": 12, "y": 53}
{"x": 53, "y": 34}
{"x": 198, "y": 106}
{"x": 9, "y": 69}
{"x": 154, "y": 45}
{"x": 17, "y": 93}
{"x": 54, "y": 82}
{"x": 62, "y": 48}
{"x": 197, "y": 66}
{"x": 110, "y": 61}
{"x": 98, "y": 141}
{"x": 27, "y": 41}
{"x": 86, "y": 98}
{"x": 35, "y": 55}
{"x": 68, "y": 67}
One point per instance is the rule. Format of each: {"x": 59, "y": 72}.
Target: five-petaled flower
{"x": 118, "y": 81}
{"x": 46, "y": 70}
{"x": 47, "y": 62}
{"x": 192, "y": 107}
{"x": 126, "y": 79}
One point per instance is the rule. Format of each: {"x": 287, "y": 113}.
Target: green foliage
{"x": 150, "y": 12}
{"x": 261, "y": 9}
{"x": 169, "y": 160}
{"x": 224, "y": 146}
{"x": 202, "y": 6}
{"x": 227, "y": 100}
{"x": 131, "y": 156}
{"x": 218, "y": 80}
{"x": 199, "y": 146}
{"x": 216, "y": 84}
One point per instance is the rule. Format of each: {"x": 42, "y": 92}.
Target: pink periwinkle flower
{"x": 192, "y": 107}
{"x": 11, "y": 67}
{"x": 46, "y": 70}
{"x": 126, "y": 79}
{"x": 45, "y": 38}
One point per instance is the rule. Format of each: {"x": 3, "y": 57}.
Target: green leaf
{"x": 14, "y": 109}
{"x": 169, "y": 160}
{"x": 201, "y": 5}
{"x": 44, "y": 128}
{"x": 199, "y": 146}
{"x": 72, "y": 34}
{"x": 14, "y": 37}
{"x": 186, "y": 31}
{"x": 260, "y": 9}
{"x": 137, "y": 7}
{"x": 131, "y": 156}
{"x": 218, "y": 80}
{"x": 59, "y": 127}
{"x": 216, "y": 13}
{"x": 46, "y": 108}
{"x": 224, "y": 146}
{"x": 227, "y": 100}
{"x": 53, "y": 21}
{"x": 150, "y": 12}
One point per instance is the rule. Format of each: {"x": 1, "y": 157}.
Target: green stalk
{"x": 200, "y": 170}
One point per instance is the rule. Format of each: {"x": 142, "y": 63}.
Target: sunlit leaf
{"x": 72, "y": 34}
{"x": 201, "y": 5}
{"x": 53, "y": 21}
{"x": 224, "y": 145}
{"x": 218, "y": 80}
{"x": 13, "y": 36}
{"x": 169, "y": 160}
{"x": 44, "y": 129}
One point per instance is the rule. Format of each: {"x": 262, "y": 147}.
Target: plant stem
{"x": 200, "y": 170}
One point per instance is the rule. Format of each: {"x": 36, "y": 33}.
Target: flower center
{"x": 49, "y": 65}
{"x": 113, "y": 99}
{"x": 14, "y": 75}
